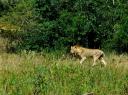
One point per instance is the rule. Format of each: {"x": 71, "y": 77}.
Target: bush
{"x": 120, "y": 39}
{"x": 48, "y": 24}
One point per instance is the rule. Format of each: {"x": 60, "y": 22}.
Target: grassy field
{"x": 55, "y": 74}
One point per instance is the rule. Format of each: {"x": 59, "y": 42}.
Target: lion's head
{"x": 75, "y": 49}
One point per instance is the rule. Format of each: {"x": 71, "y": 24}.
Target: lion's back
{"x": 91, "y": 52}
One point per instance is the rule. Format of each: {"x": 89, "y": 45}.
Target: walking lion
{"x": 83, "y": 53}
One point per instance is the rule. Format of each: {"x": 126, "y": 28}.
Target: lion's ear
{"x": 75, "y": 46}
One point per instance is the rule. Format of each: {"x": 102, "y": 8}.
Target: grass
{"x": 55, "y": 74}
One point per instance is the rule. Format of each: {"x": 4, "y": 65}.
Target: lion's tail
{"x": 102, "y": 54}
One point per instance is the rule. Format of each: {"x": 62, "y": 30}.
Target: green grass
{"x": 54, "y": 74}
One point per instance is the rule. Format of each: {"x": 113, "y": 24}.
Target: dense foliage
{"x": 60, "y": 23}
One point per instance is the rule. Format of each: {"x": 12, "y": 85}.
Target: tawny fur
{"x": 85, "y": 52}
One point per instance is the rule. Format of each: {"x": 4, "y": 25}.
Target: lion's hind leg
{"x": 103, "y": 61}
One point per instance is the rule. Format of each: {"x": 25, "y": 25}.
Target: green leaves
{"x": 61, "y": 23}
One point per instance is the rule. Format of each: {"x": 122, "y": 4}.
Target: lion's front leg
{"x": 82, "y": 60}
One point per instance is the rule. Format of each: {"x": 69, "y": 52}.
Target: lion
{"x": 83, "y": 53}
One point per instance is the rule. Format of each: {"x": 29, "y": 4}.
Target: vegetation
{"x": 41, "y": 31}
{"x": 55, "y": 24}
{"x": 32, "y": 73}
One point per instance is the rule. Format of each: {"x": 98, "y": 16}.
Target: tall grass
{"x": 30, "y": 73}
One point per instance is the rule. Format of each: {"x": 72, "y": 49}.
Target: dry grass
{"x": 55, "y": 74}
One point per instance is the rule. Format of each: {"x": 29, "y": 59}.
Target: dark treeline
{"x": 56, "y": 24}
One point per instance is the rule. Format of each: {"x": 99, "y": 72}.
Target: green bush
{"x": 120, "y": 39}
{"x": 56, "y": 24}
